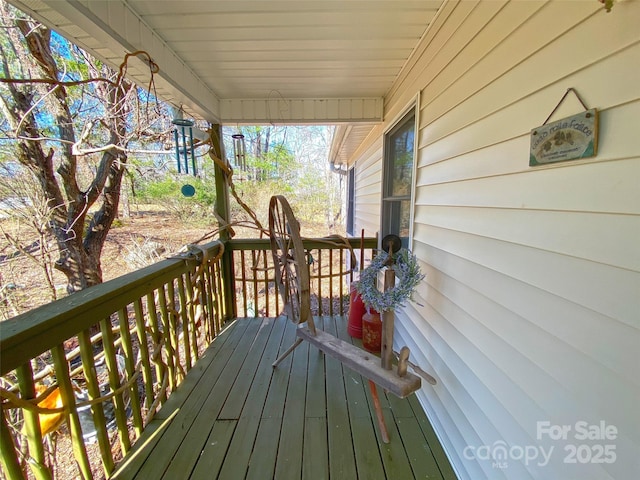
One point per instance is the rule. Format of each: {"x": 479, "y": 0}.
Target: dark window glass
{"x": 351, "y": 201}
{"x": 398, "y": 179}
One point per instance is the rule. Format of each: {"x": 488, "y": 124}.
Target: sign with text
{"x": 571, "y": 138}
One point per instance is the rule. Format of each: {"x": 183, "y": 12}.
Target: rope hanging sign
{"x": 571, "y": 138}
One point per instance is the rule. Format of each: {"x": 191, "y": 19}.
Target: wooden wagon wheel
{"x": 292, "y": 269}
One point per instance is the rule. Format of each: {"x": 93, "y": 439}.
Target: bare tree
{"x": 71, "y": 119}
{"x": 31, "y": 214}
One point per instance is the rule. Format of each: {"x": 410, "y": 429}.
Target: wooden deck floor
{"x": 235, "y": 417}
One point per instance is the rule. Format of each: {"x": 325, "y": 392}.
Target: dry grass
{"x": 22, "y": 280}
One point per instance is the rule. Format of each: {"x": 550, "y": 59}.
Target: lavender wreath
{"x": 408, "y": 272}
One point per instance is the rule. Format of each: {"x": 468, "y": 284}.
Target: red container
{"x": 372, "y": 332}
{"x": 356, "y": 311}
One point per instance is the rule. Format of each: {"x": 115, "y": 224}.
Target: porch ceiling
{"x": 246, "y": 61}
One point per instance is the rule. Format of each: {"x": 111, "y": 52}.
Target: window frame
{"x": 351, "y": 201}
{"x": 387, "y": 199}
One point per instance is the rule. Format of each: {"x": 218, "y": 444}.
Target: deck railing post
{"x": 224, "y": 217}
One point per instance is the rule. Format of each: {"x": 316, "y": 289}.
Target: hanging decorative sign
{"x": 571, "y": 138}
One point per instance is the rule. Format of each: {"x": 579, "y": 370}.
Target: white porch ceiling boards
{"x": 246, "y": 61}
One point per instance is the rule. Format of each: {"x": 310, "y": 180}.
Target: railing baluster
{"x": 190, "y": 315}
{"x": 265, "y": 278}
{"x": 331, "y": 282}
{"x": 170, "y": 335}
{"x": 208, "y": 300}
{"x": 243, "y": 277}
{"x": 319, "y": 277}
{"x": 275, "y": 286}
{"x": 342, "y": 281}
{"x": 143, "y": 349}
{"x": 156, "y": 336}
{"x": 218, "y": 302}
{"x": 9, "y": 457}
{"x": 93, "y": 389}
{"x": 130, "y": 367}
{"x": 73, "y": 421}
{"x": 184, "y": 321}
{"x": 32, "y": 424}
{"x": 254, "y": 283}
{"x": 113, "y": 370}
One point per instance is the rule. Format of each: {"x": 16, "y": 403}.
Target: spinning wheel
{"x": 292, "y": 271}
{"x": 292, "y": 278}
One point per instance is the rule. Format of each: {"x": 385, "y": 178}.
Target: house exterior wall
{"x": 530, "y": 310}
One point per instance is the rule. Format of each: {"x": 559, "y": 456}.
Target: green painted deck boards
{"x": 235, "y": 417}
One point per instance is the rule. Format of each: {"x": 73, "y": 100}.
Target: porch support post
{"x": 224, "y": 217}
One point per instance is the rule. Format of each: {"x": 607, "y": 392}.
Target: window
{"x": 397, "y": 181}
{"x": 351, "y": 199}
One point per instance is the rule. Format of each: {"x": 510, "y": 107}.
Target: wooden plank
{"x": 399, "y": 406}
{"x": 315, "y": 457}
{"x": 362, "y": 362}
{"x": 240, "y": 449}
{"x": 436, "y": 448}
{"x": 289, "y": 459}
{"x": 342, "y": 463}
{"x": 201, "y": 399}
{"x": 281, "y": 431}
{"x": 184, "y": 398}
{"x": 421, "y": 459}
{"x": 225, "y": 343}
{"x": 265, "y": 450}
{"x": 214, "y": 451}
{"x": 394, "y": 458}
{"x": 316, "y": 405}
{"x": 274, "y": 405}
{"x": 242, "y": 364}
{"x": 365, "y": 445}
{"x": 233, "y": 405}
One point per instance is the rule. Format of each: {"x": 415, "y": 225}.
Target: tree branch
{"x": 50, "y": 81}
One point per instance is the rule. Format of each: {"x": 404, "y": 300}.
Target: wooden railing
{"x": 97, "y": 365}
{"x": 104, "y": 360}
{"x": 332, "y": 262}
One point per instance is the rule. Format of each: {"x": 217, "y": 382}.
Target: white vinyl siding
{"x": 368, "y": 181}
{"x": 530, "y": 310}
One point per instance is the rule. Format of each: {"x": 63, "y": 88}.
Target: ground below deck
{"x": 235, "y": 417}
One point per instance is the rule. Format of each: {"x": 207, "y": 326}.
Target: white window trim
{"x": 414, "y": 104}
